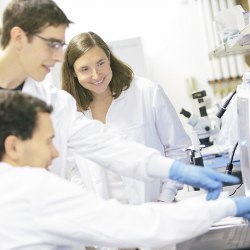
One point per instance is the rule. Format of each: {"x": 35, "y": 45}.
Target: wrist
{"x": 159, "y": 166}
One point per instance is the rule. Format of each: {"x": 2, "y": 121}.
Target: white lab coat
{"x": 91, "y": 140}
{"x": 144, "y": 114}
{"x": 39, "y": 210}
{"x": 228, "y": 135}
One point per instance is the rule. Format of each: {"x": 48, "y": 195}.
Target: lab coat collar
{"x": 5, "y": 165}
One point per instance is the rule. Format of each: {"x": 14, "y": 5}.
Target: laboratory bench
{"x": 230, "y": 233}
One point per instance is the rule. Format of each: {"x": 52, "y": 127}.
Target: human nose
{"x": 58, "y": 55}
{"x": 54, "y": 152}
{"x": 95, "y": 74}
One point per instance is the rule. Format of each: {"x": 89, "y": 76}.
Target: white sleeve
{"x": 65, "y": 214}
{"x": 172, "y": 136}
{"x": 169, "y": 127}
{"x": 169, "y": 190}
{"x": 90, "y": 139}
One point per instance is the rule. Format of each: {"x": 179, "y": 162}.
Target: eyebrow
{"x": 55, "y": 40}
{"x": 51, "y": 137}
{"x": 84, "y": 67}
{"x": 103, "y": 59}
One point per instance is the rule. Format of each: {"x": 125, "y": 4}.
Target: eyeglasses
{"x": 53, "y": 44}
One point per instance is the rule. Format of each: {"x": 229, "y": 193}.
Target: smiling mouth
{"x": 98, "y": 83}
{"x": 48, "y": 67}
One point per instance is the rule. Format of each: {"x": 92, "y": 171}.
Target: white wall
{"x": 171, "y": 33}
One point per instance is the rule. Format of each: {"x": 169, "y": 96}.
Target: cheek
{"x": 83, "y": 80}
{"x": 109, "y": 74}
{"x": 44, "y": 155}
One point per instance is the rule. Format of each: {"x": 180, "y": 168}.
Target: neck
{"x": 12, "y": 74}
{"x": 103, "y": 96}
{"x": 9, "y": 161}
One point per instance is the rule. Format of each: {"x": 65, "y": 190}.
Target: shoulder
{"x": 29, "y": 175}
{"x": 48, "y": 92}
{"x": 143, "y": 82}
{"x": 145, "y": 86}
{"x": 57, "y": 93}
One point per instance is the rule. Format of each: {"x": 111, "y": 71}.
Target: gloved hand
{"x": 242, "y": 206}
{"x": 201, "y": 177}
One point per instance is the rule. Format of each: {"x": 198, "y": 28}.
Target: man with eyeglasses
{"x": 33, "y": 34}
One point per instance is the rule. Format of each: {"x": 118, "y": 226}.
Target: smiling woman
{"x": 94, "y": 73}
{"x": 106, "y": 89}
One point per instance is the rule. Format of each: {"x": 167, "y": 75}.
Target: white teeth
{"x": 97, "y": 83}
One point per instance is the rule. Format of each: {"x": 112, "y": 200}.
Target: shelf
{"x": 236, "y": 44}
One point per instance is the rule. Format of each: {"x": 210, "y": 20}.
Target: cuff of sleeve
{"x": 167, "y": 195}
{"x": 229, "y": 208}
{"x": 159, "y": 166}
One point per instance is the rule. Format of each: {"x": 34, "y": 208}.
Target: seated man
{"x": 39, "y": 210}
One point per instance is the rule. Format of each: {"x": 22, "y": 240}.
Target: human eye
{"x": 83, "y": 70}
{"x": 55, "y": 45}
{"x": 49, "y": 141}
{"x": 101, "y": 63}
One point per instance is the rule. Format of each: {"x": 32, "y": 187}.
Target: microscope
{"x": 201, "y": 123}
{"x": 201, "y": 130}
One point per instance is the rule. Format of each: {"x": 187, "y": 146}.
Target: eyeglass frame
{"x": 53, "y": 44}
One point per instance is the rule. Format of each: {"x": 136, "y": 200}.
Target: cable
{"x": 236, "y": 190}
{"x": 229, "y": 167}
{"x": 223, "y": 108}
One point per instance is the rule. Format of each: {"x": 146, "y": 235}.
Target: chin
{"x": 40, "y": 76}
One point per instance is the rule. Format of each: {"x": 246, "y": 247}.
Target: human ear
{"x": 12, "y": 148}
{"x": 17, "y": 36}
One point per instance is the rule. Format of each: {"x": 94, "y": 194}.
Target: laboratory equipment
{"x": 195, "y": 152}
{"x": 243, "y": 109}
{"x": 223, "y": 108}
{"x": 201, "y": 123}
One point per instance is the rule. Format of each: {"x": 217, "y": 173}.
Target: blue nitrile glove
{"x": 201, "y": 177}
{"x": 242, "y": 206}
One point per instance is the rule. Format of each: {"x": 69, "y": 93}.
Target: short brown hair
{"x": 32, "y": 16}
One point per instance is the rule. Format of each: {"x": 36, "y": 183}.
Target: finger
{"x": 210, "y": 184}
{"x": 227, "y": 178}
{"x": 213, "y": 194}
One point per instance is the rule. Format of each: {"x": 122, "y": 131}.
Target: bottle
{"x": 243, "y": 109}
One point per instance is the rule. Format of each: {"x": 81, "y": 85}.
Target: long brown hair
{"x": 78, "y": 46}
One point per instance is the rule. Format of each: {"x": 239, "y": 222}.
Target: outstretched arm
{"x": 207, "y": 179}
{"x": 68, "y": 214}
{"x": 93, "y": 141}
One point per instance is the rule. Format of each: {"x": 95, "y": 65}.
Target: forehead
{"x": 91, "y": 56}
{"x": 44, "y": 127}
{"x": 54, "y": 32}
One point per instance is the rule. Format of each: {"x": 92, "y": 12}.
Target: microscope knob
{"x": 207, "y": 128}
